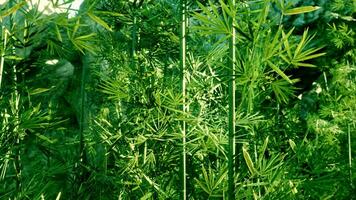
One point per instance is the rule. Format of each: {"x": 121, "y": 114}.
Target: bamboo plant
{"x": 130, "y": 124}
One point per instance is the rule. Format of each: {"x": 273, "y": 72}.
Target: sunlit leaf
{"x": 300, "y": 10}
{"x": 279, "y": 72}
{"x": 39, "y": 91}
{"x": 99, "y": 21}
{"x": 12, "y": 9}
{"x": 45, "y": 138}
{"x": 248, "y": 161}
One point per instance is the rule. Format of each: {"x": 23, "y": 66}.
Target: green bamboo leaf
{"x": 308, "y": 52}
{"x": 285, "y": 58}
{"x": 12, "y": 10}
{"x": 255, "y": 196}
{"x": 248, "y": 161}
{"x": 264, "y": 148}
{"x": 155, "y": 185}
{"x": 273, "y": 47}
{"x": 282, "y": 89}
{"x": 39, "y": 91}
{"x": 44, "y": 138}
{"x": 99, "y": 21}
{"x": 299, "y": 64}
{"x": 301, "y": 44}
{"x": 279, "y": 72}
{"x": 114, "y": 89}
{"x": 202, "y": 186}
{"x": 292, "y": 145}
{"x": 221, "y": 179}
{"x": 226, "y": 9}
{"x": 85, "y": 37}
{"x": 206, "y": 177}
{"x": 286, "y": 42}
{"x": 59, "y": 196}
{"x": 83, "y": 43}
{"x": 115, "y": 14}
{"x": 211, "y": 18}
{"x": 17, "y": 58}
{"x": 76, "y": 27}
{"x": 58, "y": 33}
{"x": 203, "y": 18}
{"x": 348, "y": 18}
{"x": 146, "y": 196}
{"x": 214, "y": 9}
{"x": 311, "y": 57}
{"x": 300, "y": 10}
{"x": 82, "y": 46}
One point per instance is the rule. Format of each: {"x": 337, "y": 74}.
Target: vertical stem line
{"x": 232, "y": 117}
{"x": 16, "y": 131}
{"x": 82, "y": 107}
{"x": 185, "y": 107}
{"x": 350, "y": 155}
{"x": 2, "y": 60}
{"x": 133, "y": 42}
{"x": 16, "y": 112}
{"x": 83, "y": 111}
{"x": 326, "y": 81}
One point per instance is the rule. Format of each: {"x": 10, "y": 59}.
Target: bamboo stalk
{"x": 133, "y": 42}
{"x": 134, "y": 36}
{"x": 83, "y": 115}
{"x": 82, "y": 110}
{"x": 16, "y": 131}
{"x": 185, "y": 107}
{"x": 232, "y": 117}
{"x": 2, "y": 60}
{"x": 350, "y": 155}
{"x": 16, "y": 100}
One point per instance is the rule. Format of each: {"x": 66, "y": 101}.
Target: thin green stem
{"x": 350, "y": 155}
{"x": 183, "y": 49}
{"x": 232, "y": 117}
{"x": 83, "y": 111}
{"x": 133, "y": 42}
{"x": 17, "y": 161}
{"x": 2, "y": 60}
{"x": 81, "y": 124}
{"x": 326, "y": 81}
{"x": 16, "y": 131}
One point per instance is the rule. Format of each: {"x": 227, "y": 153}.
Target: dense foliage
{"x": 133, "y": 100}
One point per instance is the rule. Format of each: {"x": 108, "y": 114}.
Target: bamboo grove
{"x": 177, "y": 99}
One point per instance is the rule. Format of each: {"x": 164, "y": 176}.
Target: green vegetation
{"x": 188, "y": 99}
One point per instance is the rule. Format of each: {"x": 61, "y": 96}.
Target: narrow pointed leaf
{"x": 311, "y": 57}
{"x": 12, "y": 10}
{"x": 248, "y": 161}
{"x": 301, "y": 44}
{"x": 264, "y": 148}
{"x": 99, "y": 21}
{"x": 278, "y": 71}
{"x": 39, "y": 91}
{"x": 299, "y": 64}
{"x": 58, "y": 33}
{"x": 300, "y": 10}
